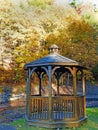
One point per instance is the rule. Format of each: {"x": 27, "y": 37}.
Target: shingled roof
{"x": 53, "y": 59}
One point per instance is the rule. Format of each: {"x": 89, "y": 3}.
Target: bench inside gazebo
{"x": 55, "y": 92}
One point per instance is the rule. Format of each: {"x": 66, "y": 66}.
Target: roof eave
{"x": 54, "y": 64}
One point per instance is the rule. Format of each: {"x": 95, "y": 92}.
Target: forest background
{"x": 27, "y": 30}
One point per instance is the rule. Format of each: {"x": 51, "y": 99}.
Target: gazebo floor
{"x": 56, "y": 124}
{"x": 59, "y": 120}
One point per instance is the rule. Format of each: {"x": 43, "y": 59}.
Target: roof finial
{"x": 53, "y": 49}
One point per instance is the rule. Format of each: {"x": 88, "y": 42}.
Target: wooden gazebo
{"x": 55, "y": 92}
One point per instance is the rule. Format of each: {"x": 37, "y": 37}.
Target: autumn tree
{"x": 17, "y": 30}
{"x": 89, "y": 14}
{"x": 29, "y": 28}
{"x": 76, "y": 42}
{"x": 40, "y": 3}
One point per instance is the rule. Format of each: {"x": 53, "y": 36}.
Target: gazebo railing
{"x": 40, "y": 107}
{"x": 63, "y": 107}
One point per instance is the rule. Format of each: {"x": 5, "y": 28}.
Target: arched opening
{"x": 34, "y": 84}
{"x": 54, "y": 85}
{"x": 44, "y": 86}
{"x": 79, "y": 82}
{"x": 62, "y": 82}
{"x": 66, "y": 83}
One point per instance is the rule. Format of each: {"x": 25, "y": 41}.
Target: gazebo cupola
{"x": 55, "y": 92}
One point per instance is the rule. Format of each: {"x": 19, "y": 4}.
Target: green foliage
{"x": 73, "y": 4}
{"x": 95, "y": 72}
{"x": 39, "y": 3}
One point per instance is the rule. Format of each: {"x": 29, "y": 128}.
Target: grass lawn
{"x": 92, "y": 123}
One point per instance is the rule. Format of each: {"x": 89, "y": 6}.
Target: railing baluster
{"x": 62, "y": 107}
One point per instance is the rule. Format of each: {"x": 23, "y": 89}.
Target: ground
{"x": 10, "y": 112}
{"x": 6, "y": 127}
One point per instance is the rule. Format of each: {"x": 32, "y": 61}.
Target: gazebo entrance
{"x": 55, "y": 92}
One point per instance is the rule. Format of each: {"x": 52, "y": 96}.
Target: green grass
{"x": 92, "y": 123}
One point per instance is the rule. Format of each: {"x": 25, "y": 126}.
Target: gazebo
{"x": 55, "y": 92}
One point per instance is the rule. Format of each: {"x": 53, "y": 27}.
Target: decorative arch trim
{"x": 46, "y": 70}
{"x": 32, "y": 71}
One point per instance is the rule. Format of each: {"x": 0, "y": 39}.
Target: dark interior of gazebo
{"x": 55, "y": 92}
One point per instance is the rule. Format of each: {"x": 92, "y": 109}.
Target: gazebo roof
{"x": 53, "y": 59}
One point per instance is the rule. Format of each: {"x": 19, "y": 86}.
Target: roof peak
{"x": 53, "y": 49}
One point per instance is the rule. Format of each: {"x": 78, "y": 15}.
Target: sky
{"x": 84, "y": 1}
{"x": 64, "y": 1}
{"x": 92, "y": 1}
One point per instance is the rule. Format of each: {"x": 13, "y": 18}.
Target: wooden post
{"x": 84, "y": 94}
{"x": 74, "y": 82}
{"x": 75, "y": 92}
{"x": 40, "y": 84}
{"x": 27, "y": 85}
{"x": 57, "y": 86}
{"x": 28, "y": 100}
{"x": 50, "y": 92}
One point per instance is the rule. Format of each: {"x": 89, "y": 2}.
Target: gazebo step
{"x": 56, "y": 124}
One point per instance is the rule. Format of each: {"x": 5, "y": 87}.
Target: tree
{"x": 90, "y": 15}
{"x": 17, "y": 30}
{"x": 28, "y": 29}
{"x": 76, "y": 42}
{"x": 74, "y": 4}
{"x": 40, "y": 3}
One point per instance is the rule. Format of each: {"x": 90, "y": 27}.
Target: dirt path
{"x": 12, "y": 114}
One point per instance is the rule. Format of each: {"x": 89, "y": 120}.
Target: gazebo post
{"x": 75, "y": 81}
{"x": 40, "y": 84}
{"x": 50, "y": 91}
{"x": 75, "y": 91}
{"x": 28, "y": 100}
{"x": 84, "y": 92}
{"x": 57, "y": 86}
